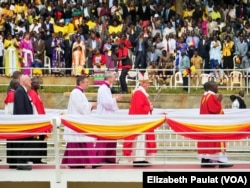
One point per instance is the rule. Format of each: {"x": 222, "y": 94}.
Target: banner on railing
{"x": 113, "y": 127}
{"x": 231, "y": 126}
{"x": 18, "y": 126}
{"x": 211, "y": 127}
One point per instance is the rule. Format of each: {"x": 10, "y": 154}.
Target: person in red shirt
{"x": 126, "y": 66}
{"x": 9, "y": 100}
{"x": 144, "y": 145}
{"x": 99, "y": 59}
{"x": 212, "y": 152}
{"x": 39, "y": 108}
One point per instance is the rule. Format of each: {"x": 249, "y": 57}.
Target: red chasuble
{"x": 210, "y": 105}
{"x": 10, "y": 97}
{"x": 36, "y": 100}
{"x": 139, "y": 105}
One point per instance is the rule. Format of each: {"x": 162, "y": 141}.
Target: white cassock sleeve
{"x": 106, "y": 104}
{"x": 78, "y": 105}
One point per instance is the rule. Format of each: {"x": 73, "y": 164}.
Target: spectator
{"x": 126, "y": 65}
{"x": 27, "y": 51}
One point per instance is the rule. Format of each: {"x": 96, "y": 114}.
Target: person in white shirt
{"x": 235, "y": 102}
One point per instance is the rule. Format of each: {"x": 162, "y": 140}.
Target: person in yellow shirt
{"x": 215, "y": 14}
{"x": 227, "y": 53}
{"x": 197, "y": 62}
{"x": 91, "y": 23}
{"x": 115, "y": 28}
{"x": 11, "y": 57}
{"x": 70, "y": 27}
{"x": 6, "y": 11}
{"x": 188, "y": 12}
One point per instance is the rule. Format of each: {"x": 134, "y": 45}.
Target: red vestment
{"x": 10, "y": 97}
{"x": 210, "y": 105}
{"x": 139, "y": 105}
{"x": 36, "y": 100}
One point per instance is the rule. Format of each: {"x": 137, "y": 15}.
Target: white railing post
{"x": 56, "y": 146}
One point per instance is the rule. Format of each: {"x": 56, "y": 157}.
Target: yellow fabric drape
{"x": 113, "y": 132}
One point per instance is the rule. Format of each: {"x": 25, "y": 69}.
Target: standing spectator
{"x": 47, "y": 27}
{"x": 22, "y": 106}
{"x": 227, "y": 52}
{"x": 211, "y": 151}
{"x": 41, "y": 145}
{"x": 107, "y": 105}
{"x": 168, "y": 13}
{"x": 141, "y": 147}
{"x": 1, "y": 55}
{"x": 80, "y": 148}
{"x": 58, "y": 63}
{"x": 140, "y": 52}
{"x": 215, "y": 54}
{"x": 91, "y": 46}
{"x": 107, "y": 49}
{"x": 197, "y": 62}
{"x": 144, "y": 12}
{"x": 27, "y": 51}
{"x": 184, "y": 66}
{"x": 126, "y": 65}
{"x": 78, "y": 56}
{"x": 241, "y": 48}
{"x": 203, "y": 51}
{"x": 39, "y": 47}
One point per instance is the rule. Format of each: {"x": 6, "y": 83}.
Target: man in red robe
{"x": 39, "y": 109}
{"x": 210, "y": 151}
{"x": 139, "y": 147}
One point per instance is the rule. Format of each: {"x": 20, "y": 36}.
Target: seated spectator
{"x": 37, "y": 65}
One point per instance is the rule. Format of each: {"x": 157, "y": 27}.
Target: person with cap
{"x": 140, "y": 148}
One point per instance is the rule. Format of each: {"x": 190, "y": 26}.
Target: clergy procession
{"x": 106, "y": 40}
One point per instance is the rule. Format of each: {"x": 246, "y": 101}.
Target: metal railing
{"x": 172, "y": 148}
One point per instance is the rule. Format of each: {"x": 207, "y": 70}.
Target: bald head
{"x": 25, "y": 81}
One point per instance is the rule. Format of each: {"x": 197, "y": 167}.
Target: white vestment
{"x": 8, "y": 108}
{"x": 78, "y": 105}
{"x": 106, "y": 104}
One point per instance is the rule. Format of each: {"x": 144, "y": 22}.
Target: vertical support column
{"x": 56, "y": 145}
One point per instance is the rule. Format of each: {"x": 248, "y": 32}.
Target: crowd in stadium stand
{"x": 81, "y": 37}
